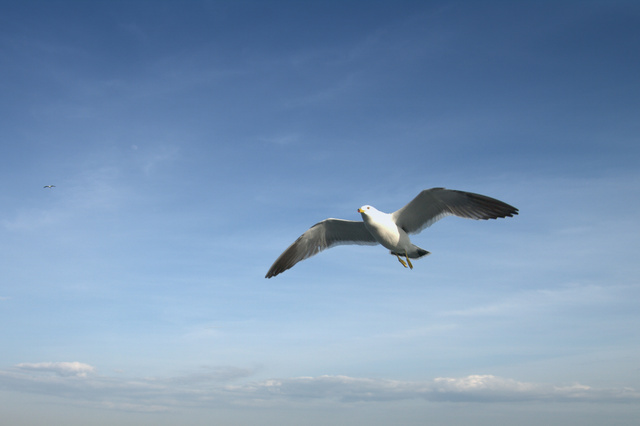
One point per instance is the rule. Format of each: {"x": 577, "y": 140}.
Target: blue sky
{"x": 191, "y": 142}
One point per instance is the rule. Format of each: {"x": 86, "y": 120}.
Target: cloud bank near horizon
{"x": 79, "y": 383}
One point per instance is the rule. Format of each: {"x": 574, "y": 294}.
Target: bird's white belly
{"x": 389, "y": 235}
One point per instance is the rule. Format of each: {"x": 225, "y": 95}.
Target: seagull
{"x": 391, "y": 230}
{"x": 49, "y": 186}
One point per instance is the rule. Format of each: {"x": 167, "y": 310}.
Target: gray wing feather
{"x": 321, "y": 236}
{"x": 433, "y": 204}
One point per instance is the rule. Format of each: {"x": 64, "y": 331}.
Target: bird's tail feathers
{"x": 418, "y": 252}
{"x": 415, "y": 253}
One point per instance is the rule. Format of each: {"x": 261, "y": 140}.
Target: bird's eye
{"x": 368, "y": 208}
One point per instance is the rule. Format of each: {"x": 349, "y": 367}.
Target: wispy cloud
{"x": 60, "y": 368}
{"x": 96, "y": 186}
{"x": 283, "y": 139}
{"x": 78, "y": 383}
{"x": 473, "y": 388}
{"x": 150, "y": 161}
{"x": 542, "y": 299}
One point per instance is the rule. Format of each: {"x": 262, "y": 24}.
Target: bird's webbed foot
{"x": 408, "y": 261}
{"x": 402, "y": 261}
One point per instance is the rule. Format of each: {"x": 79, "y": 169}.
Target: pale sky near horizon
{"x": 191, "y": 142}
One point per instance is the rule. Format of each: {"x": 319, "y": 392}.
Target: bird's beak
{"x": 360, "y": 211}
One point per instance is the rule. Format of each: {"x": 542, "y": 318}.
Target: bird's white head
{"x": 367, "y": 210}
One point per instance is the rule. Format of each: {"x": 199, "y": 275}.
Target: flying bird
{"x": 49, "y": 186}
{"x": 392, "y": 230}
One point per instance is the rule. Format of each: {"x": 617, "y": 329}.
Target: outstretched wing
{"x": 433, "y": 204}
{"x": 322, "y": 235}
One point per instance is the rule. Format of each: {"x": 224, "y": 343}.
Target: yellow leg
{"x": 408, "y": 261}
{"x": 401, "y": 261}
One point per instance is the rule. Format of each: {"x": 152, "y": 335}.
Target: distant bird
{"x": 392, "y": 230}
{"x": 49, "y": 186}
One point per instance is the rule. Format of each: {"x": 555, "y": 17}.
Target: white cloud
{"x": 475, "y": 383}
{"x": 61, "y": 368}
{"x": 473, "y": 388}
{"x": 212, "y": 387}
